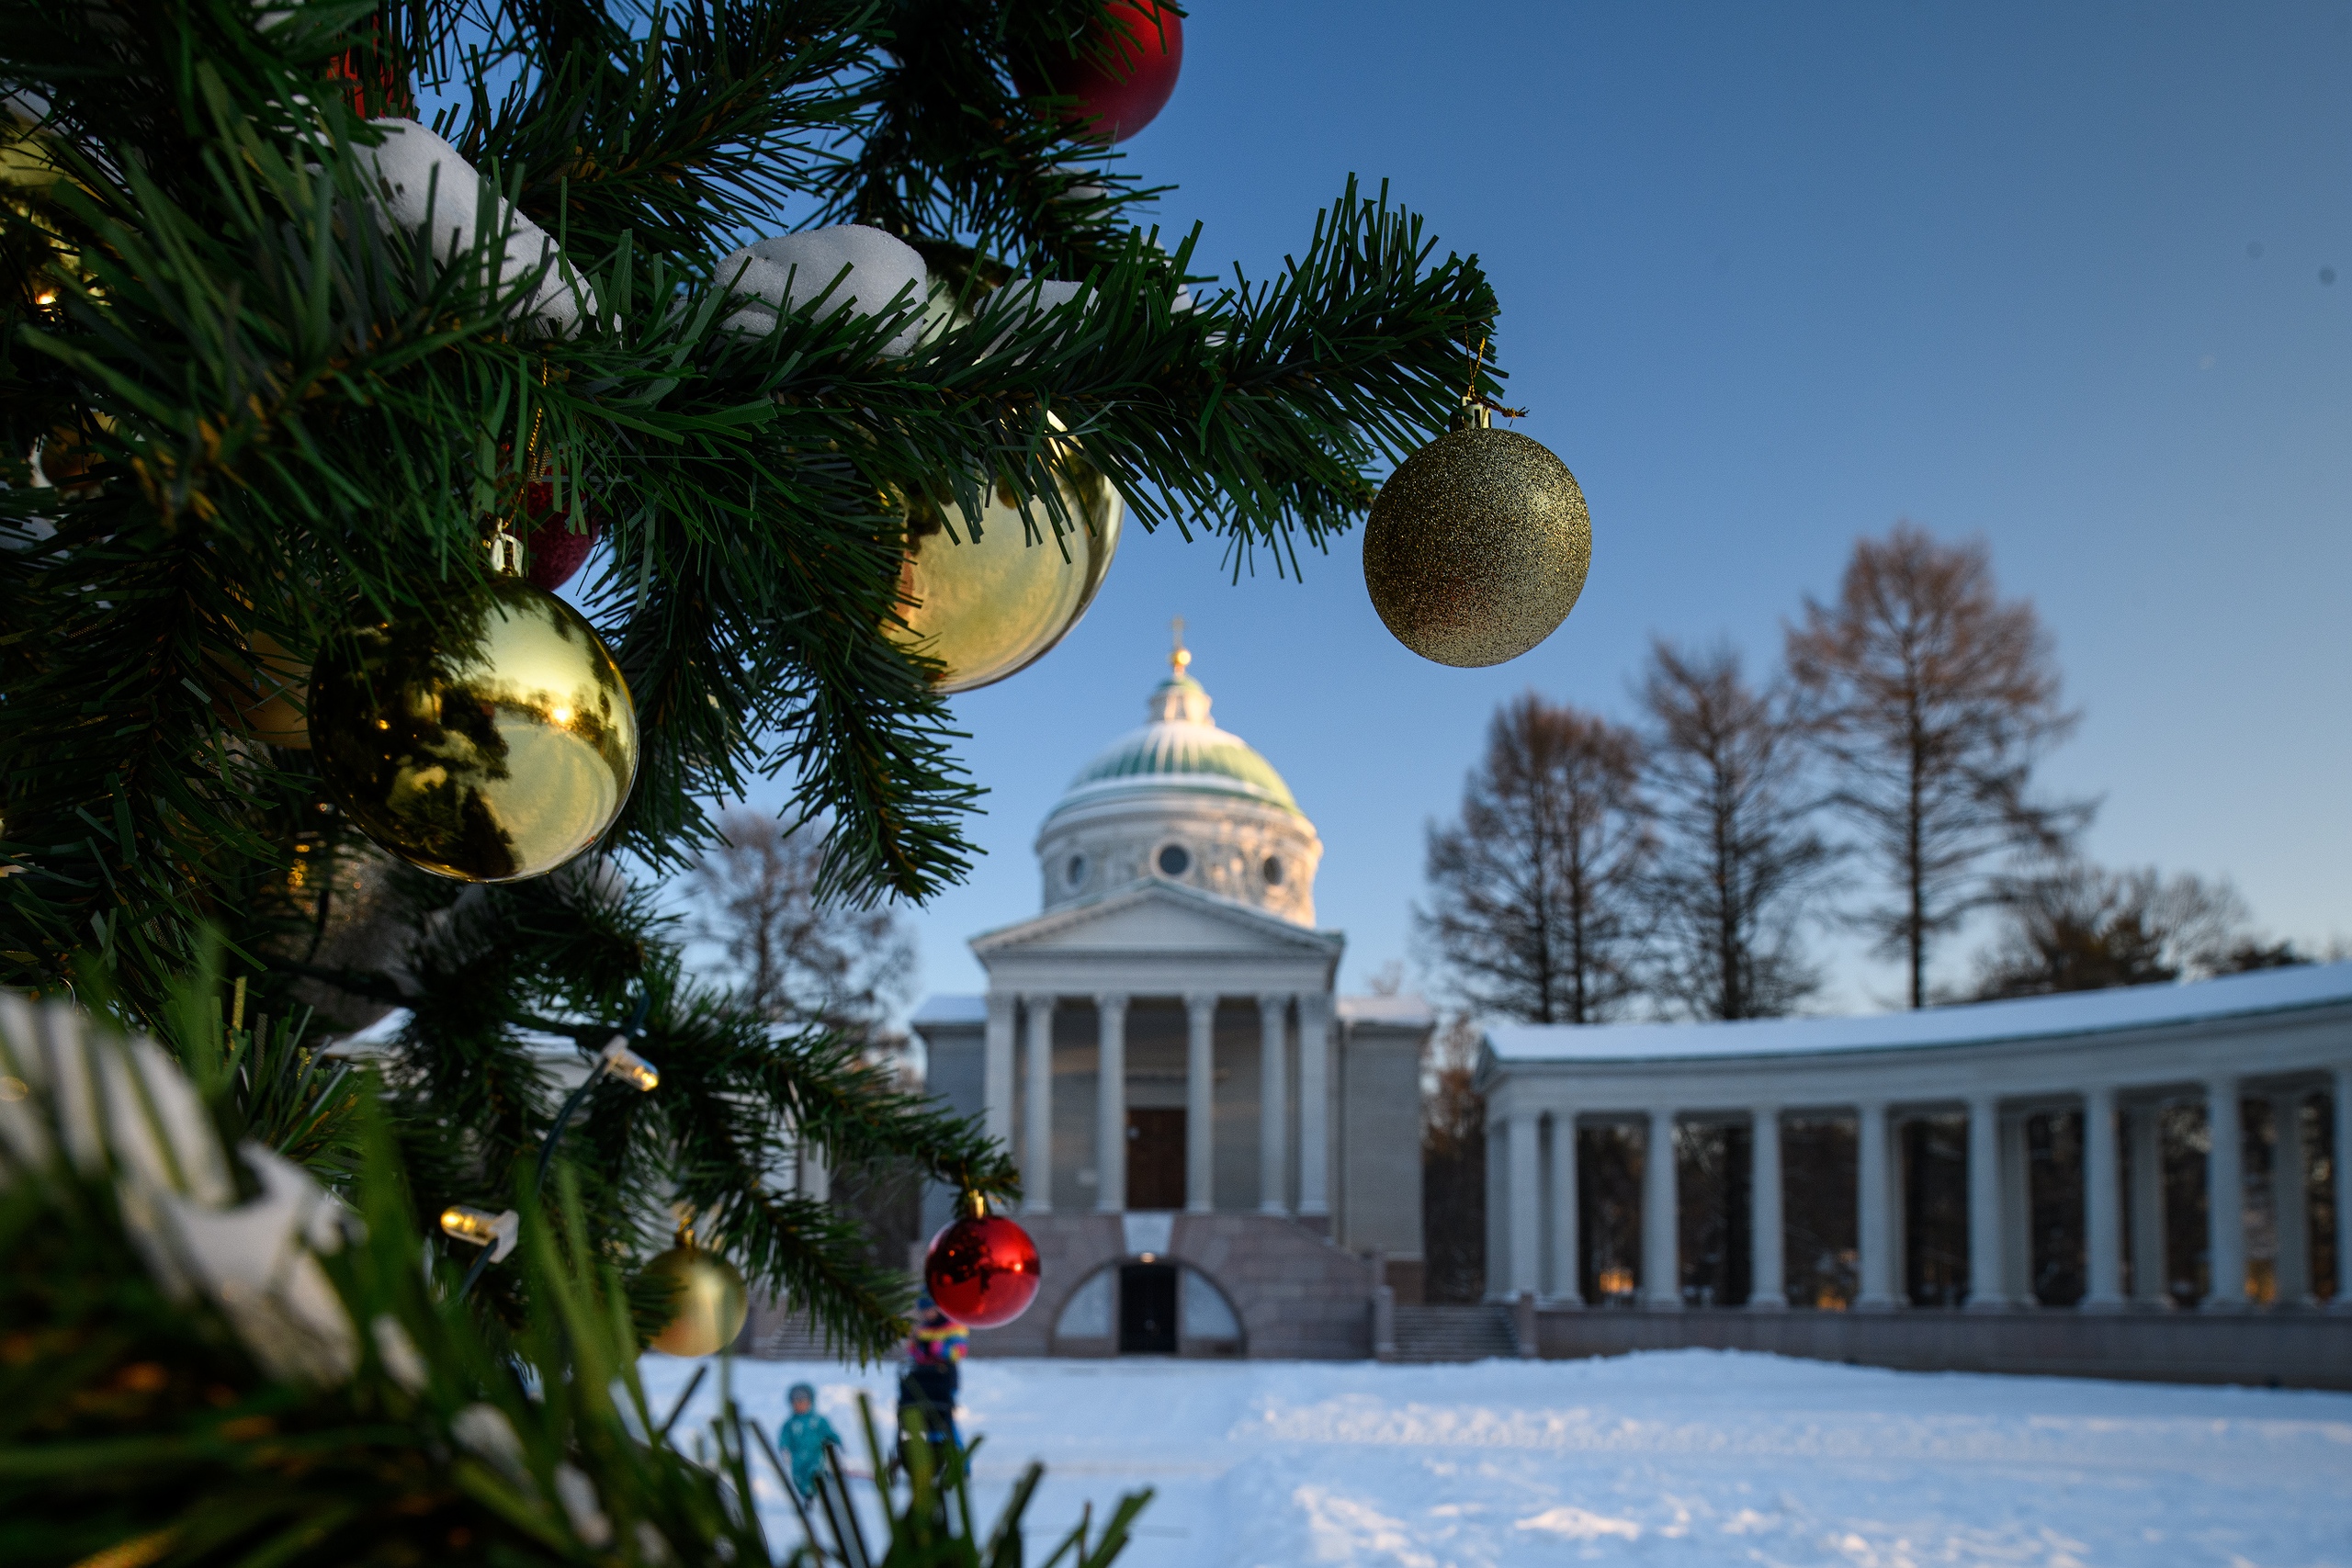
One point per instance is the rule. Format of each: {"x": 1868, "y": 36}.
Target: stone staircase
{"x": 1453, "y": 1333}
{"x": 772, "y": 1334}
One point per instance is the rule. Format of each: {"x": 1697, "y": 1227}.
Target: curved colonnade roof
{"x": 1970, "y": 1023}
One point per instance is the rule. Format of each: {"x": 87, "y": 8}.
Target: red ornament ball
{"x": 1119, "y": 95}
{"x": 553, "y": 551}
{"x": 982, "y": 1270}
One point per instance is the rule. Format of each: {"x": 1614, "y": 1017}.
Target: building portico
{"x": 1160, "y": 998}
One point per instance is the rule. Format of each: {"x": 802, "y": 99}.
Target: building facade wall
{"x": 1380, "y": 1146}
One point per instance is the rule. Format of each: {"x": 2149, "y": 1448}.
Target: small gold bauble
{"x": 490, "y": 745}
{"x": 988, "y": 604}
{"x": 711, "y": 1301}
{"x": 261, "y": 690}
{"x": 1478, "y": 545}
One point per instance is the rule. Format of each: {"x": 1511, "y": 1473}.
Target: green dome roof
{"x": 1180, "y": 749}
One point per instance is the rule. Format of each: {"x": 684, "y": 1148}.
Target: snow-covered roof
{"x": 2084, "y": 1013}
{"x": 951, "y": 1009}
{"x": 1410, "y": 1011}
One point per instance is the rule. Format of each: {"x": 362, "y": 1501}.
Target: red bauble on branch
{"x": 1141, "y": 45}
{"x": 981, "y": 1270}
{"x": 553, "y": 550}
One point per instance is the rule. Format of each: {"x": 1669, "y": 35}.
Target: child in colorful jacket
{"x": 927, "y": 1390}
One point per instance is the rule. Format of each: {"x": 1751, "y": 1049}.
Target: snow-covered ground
{"x": 1689, "y": 1457}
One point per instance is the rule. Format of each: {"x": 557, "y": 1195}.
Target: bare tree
{"x": 2072, "y": 926}
{"x": 1931, "y": 699}
{"x": 1534, "y": 906}
{"x": 797, "y": 959}
{"x": 1453, "y": 1166}
{"x": 1735, "y": 848}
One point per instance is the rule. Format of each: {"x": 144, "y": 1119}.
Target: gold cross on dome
{"x": 1182, "y": 656}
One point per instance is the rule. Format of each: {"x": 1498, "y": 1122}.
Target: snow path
{"x": 1687, "y": 1457}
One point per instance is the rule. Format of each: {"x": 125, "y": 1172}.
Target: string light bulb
{"x": 626, "y": 1064}
{"x": 497, "y": 1231}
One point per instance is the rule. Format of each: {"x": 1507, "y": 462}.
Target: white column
{"x": 1567, "y": 1247}
{"x": 1273, "y": 1119}
{"x": 1111, "y": 1103}
{"x": 1988, "y": 1288}
{"x": 1200, "y": 1102}
{"x": 1037, "y": 1144}
{"x": 2102, "y": 1202}
{"x": 2151, "y": 1269}
{"x": 816, "y": 1179}
{"x": 1873, "y": 1218}
{"x": 996, "y": 1071}
{"x": 1661, "y": 1217}
{"x": 2342, "y": 1164}
{"x": 1315, "y": 1102}
{"x": 1526, "y": 1204}
{"x": 2293, "y": 1268}
{"x": 2224, "y": 1197}
{"x": 1768, "y": 1250}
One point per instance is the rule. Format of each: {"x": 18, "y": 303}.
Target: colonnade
{"x": 1030, "y": 1016}
{"x": 1539, "y": 1166}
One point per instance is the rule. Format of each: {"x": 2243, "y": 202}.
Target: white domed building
{"x": 1220, "y": 1156}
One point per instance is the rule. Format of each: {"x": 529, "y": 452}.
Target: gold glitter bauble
{"x": 986, "y": 602}
{"x": 1477, "y": 547}
{"x": 710, "y": 1303}
{"x": 493, "y": 745}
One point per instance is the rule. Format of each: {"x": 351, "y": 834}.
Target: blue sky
{"x": 1771, "y": 278}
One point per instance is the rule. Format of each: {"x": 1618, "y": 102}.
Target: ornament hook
{"x": 1478, "y": 409}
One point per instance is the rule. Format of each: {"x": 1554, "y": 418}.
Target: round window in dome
{"x": 1175, "y": 860}
{"x": 1273, "y": 871}
{"x": 1075, "y": 871}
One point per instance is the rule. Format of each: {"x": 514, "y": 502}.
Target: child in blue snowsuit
{"x": 806, "y": 1436}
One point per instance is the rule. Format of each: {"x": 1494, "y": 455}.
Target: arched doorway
{"x": 1147, "y": 1309}
{"x": 1147, "y": 1305}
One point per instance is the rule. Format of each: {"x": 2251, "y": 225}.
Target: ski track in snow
{"x": 1689, "y": 1457}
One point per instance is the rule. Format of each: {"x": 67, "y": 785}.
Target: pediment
{"x": 1155, "y": 918}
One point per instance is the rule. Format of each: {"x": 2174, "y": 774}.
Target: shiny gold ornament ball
{"x": 1477, "y": 547}
{"x": 490, "y": 744}
{"x": 711, "y": 1301}
{"x": 986, "y": 602}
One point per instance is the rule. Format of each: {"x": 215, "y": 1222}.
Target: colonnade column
{"x": 996, "y": 1069}
{"x": 1985, "y": 1247}
{"x": 2291, "y": 1271}
{"x": 1526, "y": 1204}
{"x": 1037, "y": 1144}
{"x": 2224, "y": 1197}
{"x": 2342, "y": 1164}
{"x": 1315, "y": 1102}
{"x": 2151, "y": 1269}
{"x": 1768, "y": 1291}
{"x": 1200, "y": 1102}
{"x": 2102, "y": 1202}
{"x": 1111, "y": 1103}
{"x": 1568, "y": 1289}
{"x": 1874, "y": 1219}
{"x": 1661, "y": 1216}
{"x": 1273, "y": 1122}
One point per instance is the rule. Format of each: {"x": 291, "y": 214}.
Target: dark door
{"x": 1156, "y": 1159}
{"x": 1147, "y": 1308}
